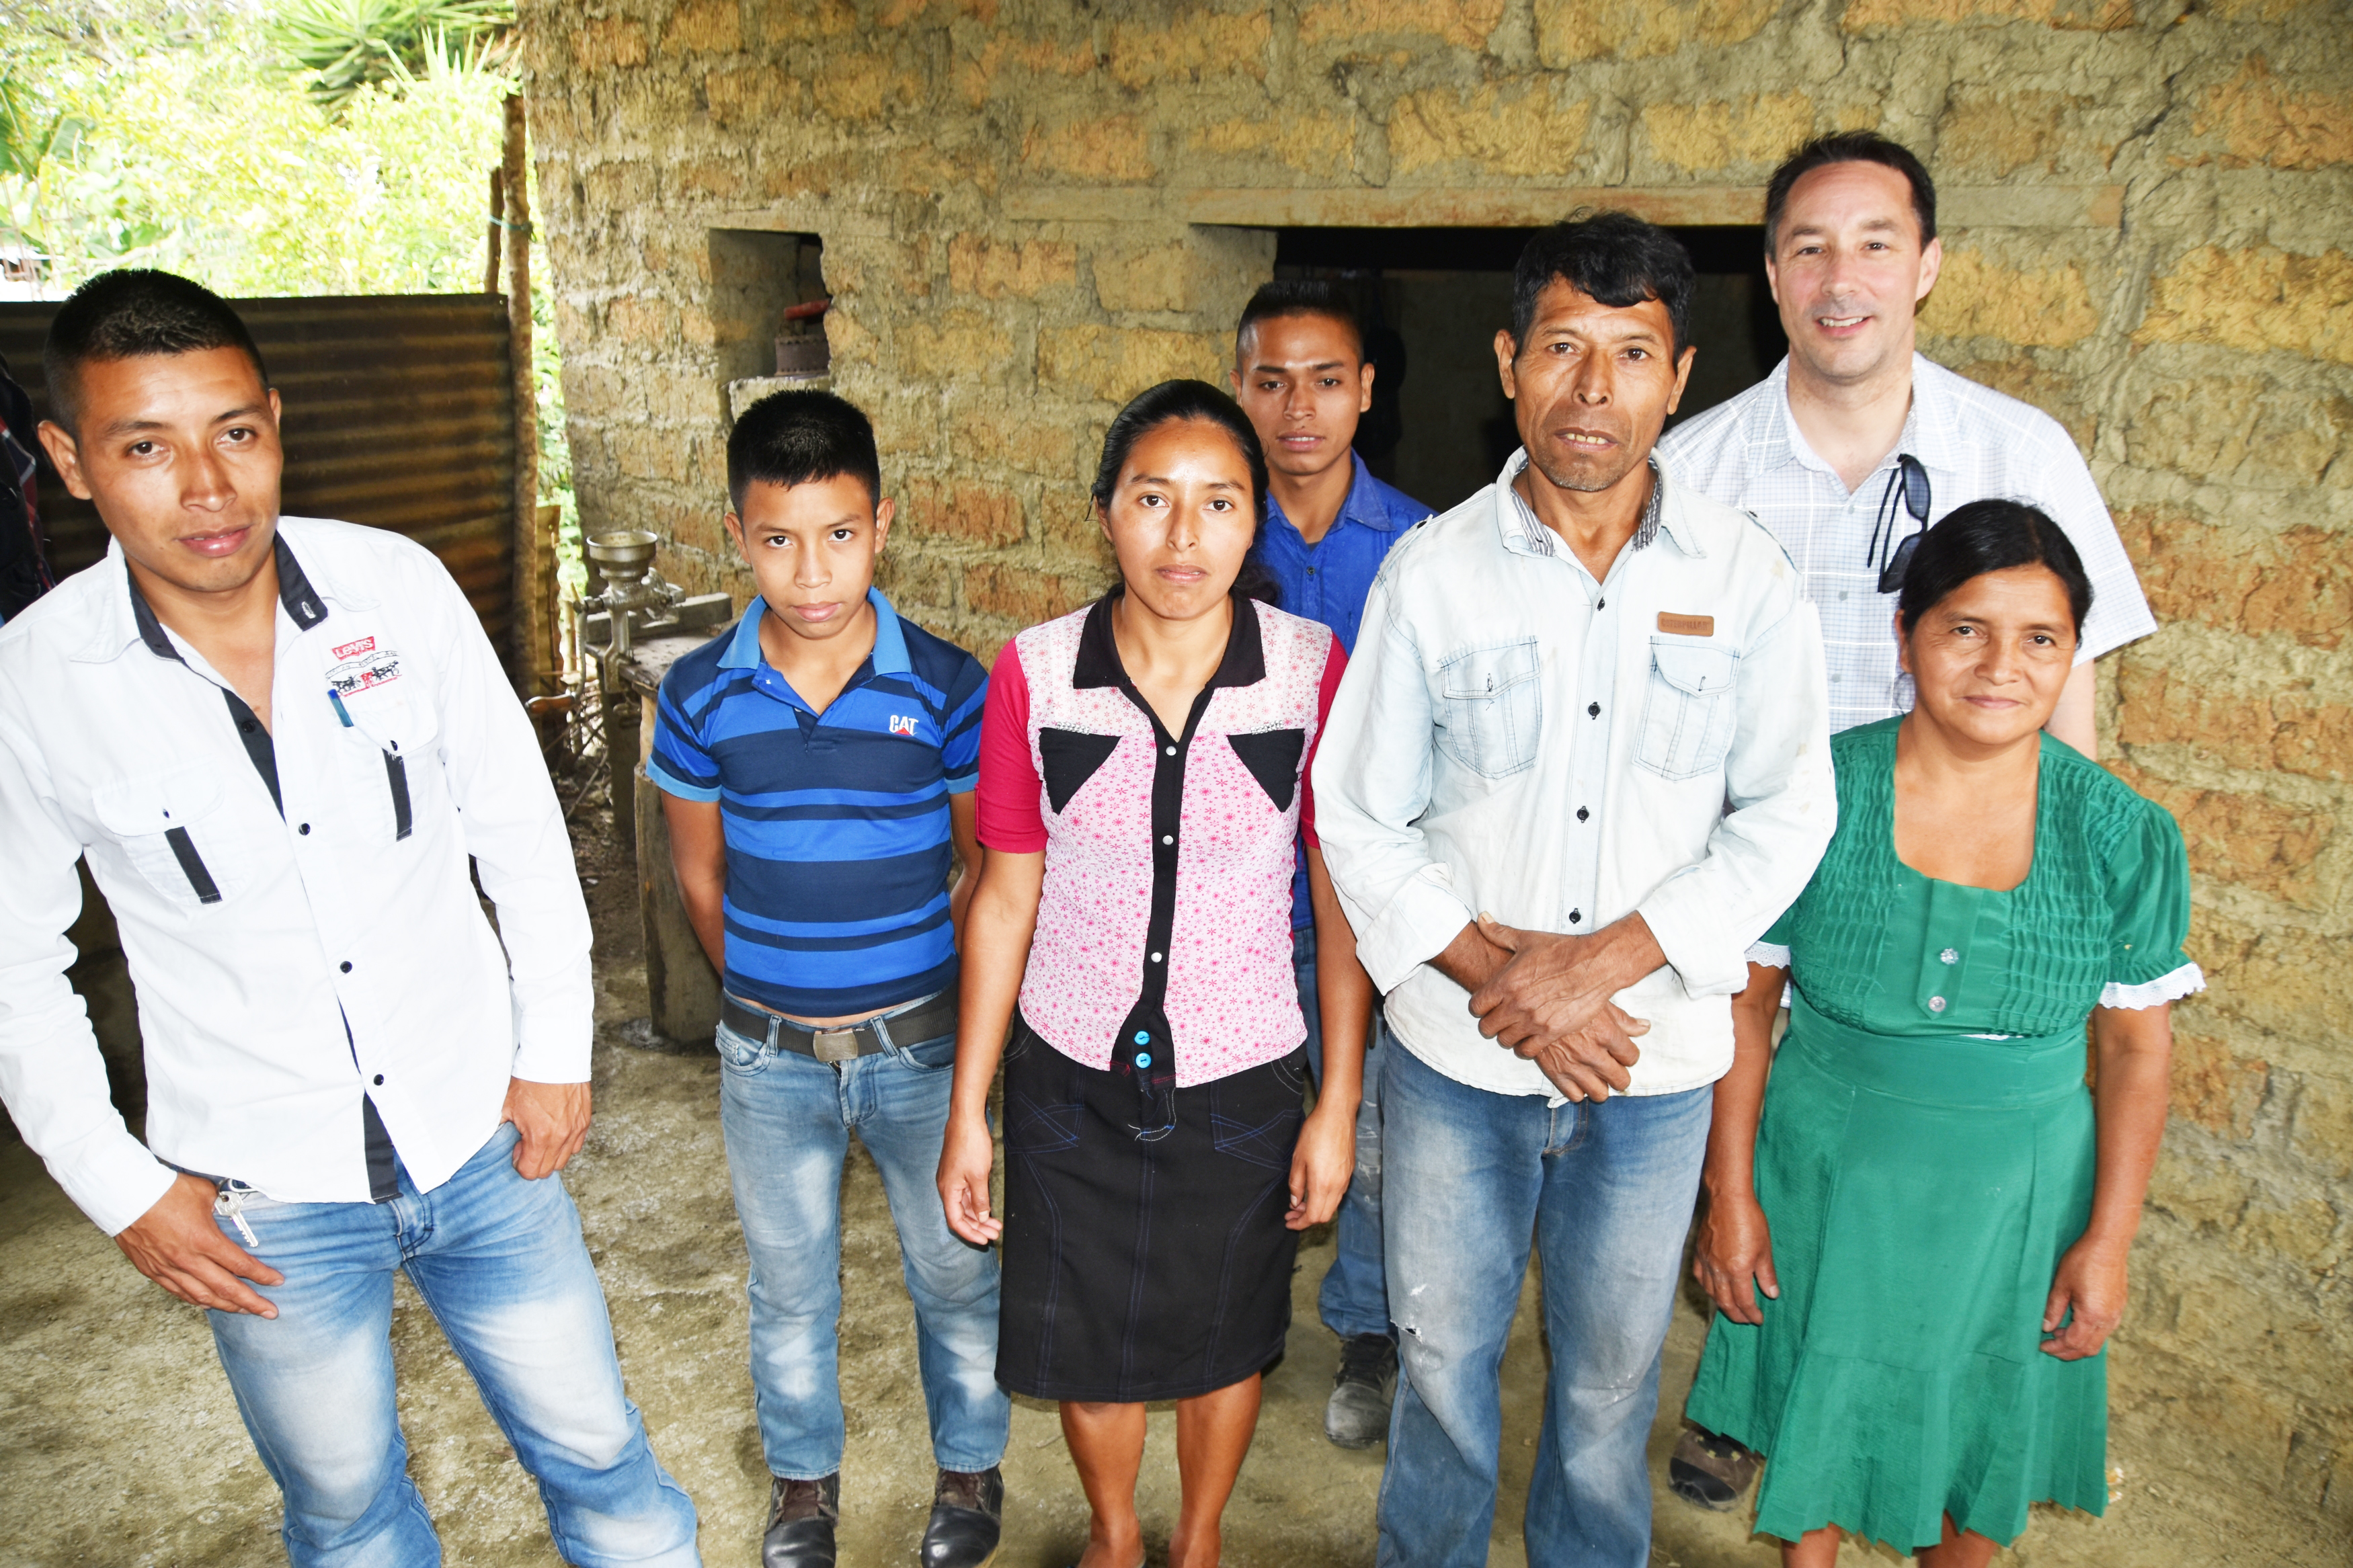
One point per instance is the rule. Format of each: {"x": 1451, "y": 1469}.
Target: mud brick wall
{"x": 1030, "y": 211}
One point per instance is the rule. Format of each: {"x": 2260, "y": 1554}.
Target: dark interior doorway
{"x": 1432, "y": 300}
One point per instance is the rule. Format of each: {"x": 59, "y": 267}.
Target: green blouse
{"x": 2105, "y": 903}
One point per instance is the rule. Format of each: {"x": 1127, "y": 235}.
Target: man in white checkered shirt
{"x": 1816, "y": 451}
{"x": 1836, "y": 449}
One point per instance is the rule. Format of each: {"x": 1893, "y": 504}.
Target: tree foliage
{"x": 341, "y": 46}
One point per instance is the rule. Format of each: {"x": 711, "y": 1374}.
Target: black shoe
{"x": 801, "y": 1517}
{"x": 1711, "y": 1472}
{"x": 1357, "y": 1416}
{"x": 967, "y": 1511}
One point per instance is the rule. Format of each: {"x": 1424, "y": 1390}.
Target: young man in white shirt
{"x": 1834, "y": 450}
{"x": 1855, "y": 444}
{"x": 278, "y": 742}
{"x": 1587, "y": 704}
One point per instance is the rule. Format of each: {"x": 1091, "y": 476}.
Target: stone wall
{"x": 1030, "y": 211}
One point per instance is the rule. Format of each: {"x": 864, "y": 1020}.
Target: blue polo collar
{"x": 890, "y": 656}
{"x": 1360, "y": 488}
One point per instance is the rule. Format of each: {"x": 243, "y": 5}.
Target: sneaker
{"x": 1358, "y": 1414}
{"x": 967, "y": 1511}
{"x": 1711, "y": 1472}
{"x": 801, "y": 1517}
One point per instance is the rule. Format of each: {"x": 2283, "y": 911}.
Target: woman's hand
{"x": 1736, "y": 1248}
{"x": 965, "y": 1155}
{"x": 2089, "y": 1284}
{"x": 1320, "y": 1165}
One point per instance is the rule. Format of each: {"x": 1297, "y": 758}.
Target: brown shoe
{"x": 1711, "y": 1472}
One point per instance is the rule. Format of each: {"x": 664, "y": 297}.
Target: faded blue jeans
{"x": 787, "y": 1119}
{"x": 1354, "y": 1299}
{"x": 500, "y": 1263}
{"x": 1605, "y": 1193}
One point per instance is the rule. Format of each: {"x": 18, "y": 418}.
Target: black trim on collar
{"x": 1098, "y": 664}
{"x": 295, "y": 596}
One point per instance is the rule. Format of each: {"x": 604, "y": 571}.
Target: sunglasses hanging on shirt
{"x": 1910, "y": 481}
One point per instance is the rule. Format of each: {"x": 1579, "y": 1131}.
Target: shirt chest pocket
{"x": 1688, "y": 713}
{"x": 387, "y": 761}
{"x": 1491, "y": 708}
{"x": 177, "y": 832}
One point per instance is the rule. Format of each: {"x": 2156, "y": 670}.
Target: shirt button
{"x": 304, "y": 830}
{"x": 1156, "y": 958}
{"x": 1936, "y": 1003}
{"x": 1172, "y": 751}
{"x": 1601, "y": 604}
{"x": 1144, "y": 1058}
{"x": 1168, "y": 839}
{"x": 1143, "y": 1037}
{"x": 1582, "y": 813}
{"x": 379, "y": 1078}
{"x": 1593, "y": 709}
{"x": 1949, "y": 956}
{"x": 1575, "y": 916}
{"x": 345, "y": 966}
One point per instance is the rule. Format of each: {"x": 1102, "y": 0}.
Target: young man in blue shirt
{"x": 1301, "y": 374}
{"x": 817, "y": 763}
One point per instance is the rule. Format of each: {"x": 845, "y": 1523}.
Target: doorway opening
{"x": 1432, "y": 300}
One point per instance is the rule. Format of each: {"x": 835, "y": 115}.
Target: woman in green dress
{"x": 1916, "y": 1230}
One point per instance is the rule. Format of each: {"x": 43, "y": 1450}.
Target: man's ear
{"x": 885, "y": 511}
{"x": 1234, "y": 380}
{"x": 1682, "y": 375}
{"x": 65, "y": 456}
{"x": 1365, "y": 386}
{"x": 1932, "y": 267}
{"x": 734, "y": 526}
{"x": 1506, "y": 351}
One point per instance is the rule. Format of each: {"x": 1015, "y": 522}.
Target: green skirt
{"x": 1920, "y": 1193}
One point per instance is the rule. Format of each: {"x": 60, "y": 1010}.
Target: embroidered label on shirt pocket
{"x": 1688, "y": 714}
{"x": 1491, "y": 708}
{"x": 172, "y": 829}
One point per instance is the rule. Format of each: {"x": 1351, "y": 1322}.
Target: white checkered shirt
{"x": 1974, "y": 444}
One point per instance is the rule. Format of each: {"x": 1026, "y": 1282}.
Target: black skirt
{"x": 1144, "y": 1267}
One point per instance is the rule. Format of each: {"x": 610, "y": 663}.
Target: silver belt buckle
{"x": 834, "y": 1045}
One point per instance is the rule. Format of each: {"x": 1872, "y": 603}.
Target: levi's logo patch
{"x": 902, "y": 724}
{"x": 353, "y": 649}
{"x": 1686, "y": 626}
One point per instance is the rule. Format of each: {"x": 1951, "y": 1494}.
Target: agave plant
{"x": 341, "y": 46}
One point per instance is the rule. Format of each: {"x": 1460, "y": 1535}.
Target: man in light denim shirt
{"x": 1579, "y": 763}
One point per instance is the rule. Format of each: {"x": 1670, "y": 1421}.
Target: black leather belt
{"x": 926, "y": 1020}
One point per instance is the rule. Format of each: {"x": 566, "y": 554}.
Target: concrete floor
{"x": 120, "y": 1443}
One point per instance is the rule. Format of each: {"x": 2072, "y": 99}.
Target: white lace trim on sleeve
{"x": 2149, "y": 992}
{"x": 1768, "y": 955}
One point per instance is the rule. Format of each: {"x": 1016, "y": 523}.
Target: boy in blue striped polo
{"x": 817, "y": 762}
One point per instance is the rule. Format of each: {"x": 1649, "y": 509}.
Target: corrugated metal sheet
{"x": 399, "y": 413}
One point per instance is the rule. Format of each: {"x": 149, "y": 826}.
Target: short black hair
{"x": 1173, "y": 400}
{"x": 1612, "y": 257}
{"x": 130, "y": 313}
{"x": 1298, "y": 297}
{"x": 1985, "y": 536}
{"x": 1850, "y": 147}
{"x": 798, "y": 438}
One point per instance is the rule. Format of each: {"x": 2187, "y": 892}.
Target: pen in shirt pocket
{"x": 342, "y": 713}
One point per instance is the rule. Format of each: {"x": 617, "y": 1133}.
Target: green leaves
{"x": 338, "y": 47}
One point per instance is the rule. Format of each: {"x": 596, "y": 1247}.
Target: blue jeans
{"x": 1354, "y": 1300}
{"x": 1606, "y": 1191}
{"x": 787, "y": 1119}
{"x": 500, "y": 1263}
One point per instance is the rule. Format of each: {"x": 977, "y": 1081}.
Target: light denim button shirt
{"x": 1517, "y": 738}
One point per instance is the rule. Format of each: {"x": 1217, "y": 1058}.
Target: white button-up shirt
{"x": 256, "y": 937}
{"x": 1515, "y": 738}
{"x": 1975, "y": 445}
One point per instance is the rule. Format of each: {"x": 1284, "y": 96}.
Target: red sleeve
{"x": 1008, "y": 815}
{"x": 1333, "y": 667}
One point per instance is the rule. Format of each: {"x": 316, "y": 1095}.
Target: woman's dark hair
{"x": 1173, "y": 400}
{"x": 1989, "y": 536}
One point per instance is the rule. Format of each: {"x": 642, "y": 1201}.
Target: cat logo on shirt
{"x": 902, "y": 724}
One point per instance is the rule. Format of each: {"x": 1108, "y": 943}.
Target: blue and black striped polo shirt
{"x": 838, "y": 838}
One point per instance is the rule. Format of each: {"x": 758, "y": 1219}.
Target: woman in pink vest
{"x": 1143, "y": 779}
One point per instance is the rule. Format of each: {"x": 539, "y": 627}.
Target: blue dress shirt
{"x": 1328, "y": 581}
